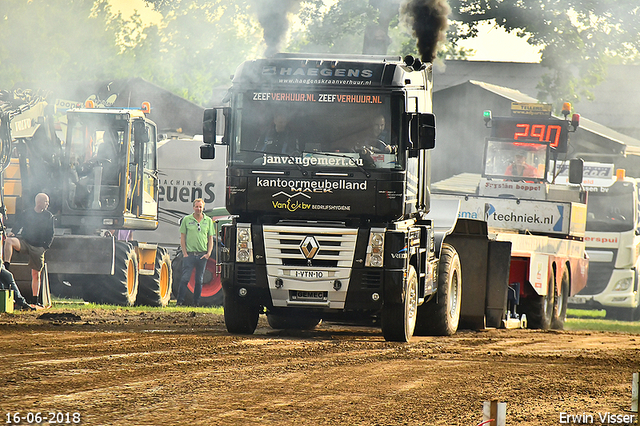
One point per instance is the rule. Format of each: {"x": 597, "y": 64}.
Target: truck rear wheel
{"x": 539, "y": 309}
{"x": 239, "y": 317}
{"x": 560, "y": 303}
{"x": 399, "y": 319}
{"x": 155, "y": 290}
{"x": 623, "y": 314}
{"x": 441, "y": 315}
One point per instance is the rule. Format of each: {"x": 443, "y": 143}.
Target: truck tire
{"x": 441, "y": 315}
{"x": 292, "y": 322}
{"x": 622, "y": 314}
{"x": 211, "y": 295}
{"x": 560, "y": 303}
{"x": 539, "y": 309}
{"x": 239, "y": 317}
{"x": 399, "y": 319}
{"x": 155, "y": 290}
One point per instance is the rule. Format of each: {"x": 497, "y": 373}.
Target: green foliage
{"x": 197, "y": 44}
{"x": 42, "y": 41}
{"x": 578, "y": 38}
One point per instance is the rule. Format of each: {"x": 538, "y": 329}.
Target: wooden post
{"x": 495, "y": 412}
{"x": 634, "y": 392}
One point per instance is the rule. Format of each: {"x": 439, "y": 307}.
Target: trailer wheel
{"x": 292, "y": 322}
{"x": 121, "y": 288}
{"x": 560, "y": 303}
{"x": 240, "y": 317}
{"x": 399, "y": 319}
{"x": 539, "y": 309}
{"x": 441, "y": 315}
{"x": 155, "y": 290}
{"x": 211, "y": 295}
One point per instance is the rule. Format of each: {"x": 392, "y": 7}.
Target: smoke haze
{"x": 428, "y": 19}
{"x": 272, "y": 15}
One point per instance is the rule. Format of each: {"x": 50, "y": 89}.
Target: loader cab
{"x": 110, "y": 170}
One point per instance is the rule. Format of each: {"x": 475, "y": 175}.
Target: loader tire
{"x": 155, "y": 290}
{"x": 121, "y": 288}
{"x": 440, "y": 316}
{"x": 560, "y": 303}
{"x": 399, "y": 319}
{"x": 539, "y": 309}
{"x": 211, "y": 295}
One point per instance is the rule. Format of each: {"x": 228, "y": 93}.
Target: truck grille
{"x": 335, "y": 246}
{"x": 599, "y": 275}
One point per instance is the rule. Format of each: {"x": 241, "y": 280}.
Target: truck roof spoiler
{"x": 338, "y": 57}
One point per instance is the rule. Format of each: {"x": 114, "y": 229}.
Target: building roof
{"x": 615, "y": 102}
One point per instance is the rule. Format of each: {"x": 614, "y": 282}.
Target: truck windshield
{"x": 611, "y": 209}
{"x": 515, "y": 160}
{"x": 93, "y": 151}
{"x": 313, "y": 130}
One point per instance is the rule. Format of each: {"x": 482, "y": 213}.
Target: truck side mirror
{"x": 423, "y": 131}
{"x": 207, "y": 151}
{"x": 576, "y": 168}
{"x": 209, "y": 126}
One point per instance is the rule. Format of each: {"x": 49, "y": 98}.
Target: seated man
{"x": 519, "y": 167}
{"x": 7, "y": 282}
{"x": 368, "y": 139}
{"x": 279, "y": 138}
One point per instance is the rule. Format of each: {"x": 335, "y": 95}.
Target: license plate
{"x": 307, "y": 274}
{"x": 308, "y": 296}
{"x": 576, "y": 300}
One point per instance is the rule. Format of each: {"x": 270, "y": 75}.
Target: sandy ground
{"x": 177, "y": 368}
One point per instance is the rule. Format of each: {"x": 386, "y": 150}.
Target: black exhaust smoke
{"x": 272, "y": 15}
{"x": 428, "y": 19}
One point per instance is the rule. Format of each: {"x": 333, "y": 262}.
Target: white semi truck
{"x": 613, "y": 243}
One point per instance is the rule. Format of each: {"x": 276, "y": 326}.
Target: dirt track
{"x": 178, "y": 368}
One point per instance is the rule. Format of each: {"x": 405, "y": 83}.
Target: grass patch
{"x": 58, "y": 303}
{"x": 594, "y": 320}
{"x": 577, "y": 319}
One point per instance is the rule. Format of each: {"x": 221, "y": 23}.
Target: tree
{"x": 577, "y": 38}
{"x": 42, "y": 41}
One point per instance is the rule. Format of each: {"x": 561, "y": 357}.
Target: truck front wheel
{"x": 399, "y": 320}
{"x": 239, "y": 317}
{"x": 441, "y": 315}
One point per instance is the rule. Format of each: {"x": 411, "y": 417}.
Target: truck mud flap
{"x": 81, "y": 254}
{"x": 485, "y": 276}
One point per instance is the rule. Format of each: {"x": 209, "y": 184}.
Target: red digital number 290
{"x": 542, "y": 132}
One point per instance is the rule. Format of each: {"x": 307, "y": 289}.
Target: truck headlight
{"x": 244, "y": 246}
{"x": 623, "y": 284}
{"x": 375, "y": 248}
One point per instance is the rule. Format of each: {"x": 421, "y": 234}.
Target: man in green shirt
{"x": 196, "y": 241}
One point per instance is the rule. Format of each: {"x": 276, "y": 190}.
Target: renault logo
{"x": 309, "y": 247}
